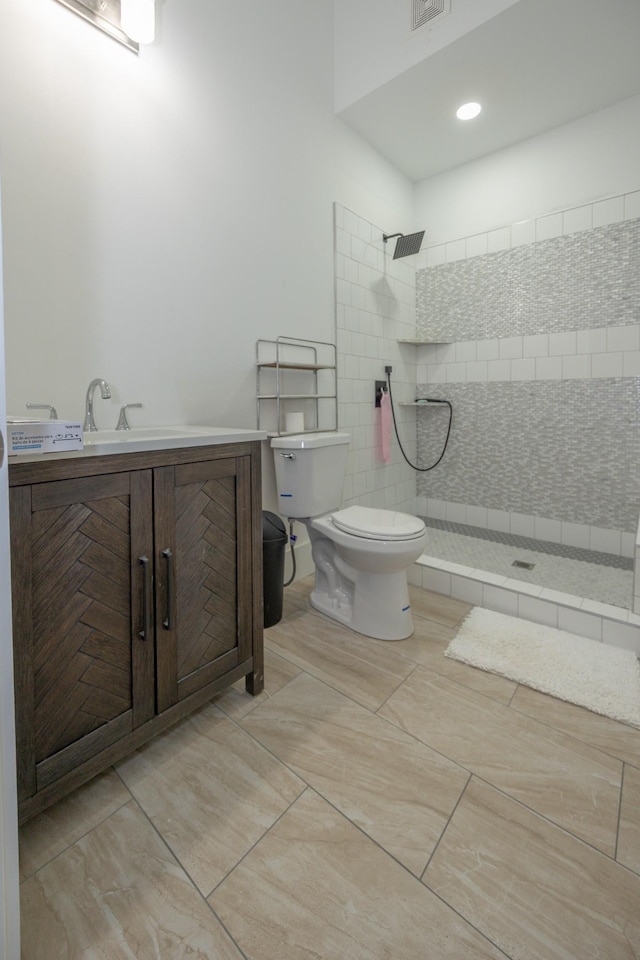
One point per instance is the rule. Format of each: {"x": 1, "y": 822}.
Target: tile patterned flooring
{"x": 376, "y": 801}
{"x": 555, "y": 567}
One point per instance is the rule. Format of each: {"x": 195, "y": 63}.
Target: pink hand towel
{"x": 385, "y": 425}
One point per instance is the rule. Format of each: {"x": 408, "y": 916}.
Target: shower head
{"x": 406, "y": 245}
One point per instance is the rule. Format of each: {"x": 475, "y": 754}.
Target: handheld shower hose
{"x": 395, "y": 426}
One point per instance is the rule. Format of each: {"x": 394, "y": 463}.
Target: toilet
{"x": 361, "y": 554}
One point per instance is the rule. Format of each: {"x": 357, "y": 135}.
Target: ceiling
{"x": 537, "y": 65}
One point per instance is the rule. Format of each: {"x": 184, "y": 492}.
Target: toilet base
{"x": 379, "y": 607}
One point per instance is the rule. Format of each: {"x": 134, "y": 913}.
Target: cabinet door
{"x": 203, "y": 581}
{"x": 84, "y": 670}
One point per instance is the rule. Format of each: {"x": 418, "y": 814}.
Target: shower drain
{"x": 523, "y": 565}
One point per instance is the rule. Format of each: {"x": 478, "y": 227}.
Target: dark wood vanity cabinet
{"x": 137, "y": 595}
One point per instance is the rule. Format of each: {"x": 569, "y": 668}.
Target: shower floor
{"x": 582, "y": 573}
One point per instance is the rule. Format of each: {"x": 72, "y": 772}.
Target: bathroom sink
{"x": 160, "y": 438}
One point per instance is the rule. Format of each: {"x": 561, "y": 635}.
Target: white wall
{"x": 164, "y": 211}
{"x": 374, "y": 41}
{"x": 9, "y": 898}
{"x": 590, "y": 159}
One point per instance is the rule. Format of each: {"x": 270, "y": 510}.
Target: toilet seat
{"x": 375, "y": 524}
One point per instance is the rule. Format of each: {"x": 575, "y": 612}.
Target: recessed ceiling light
{"x": 468, "y": 111}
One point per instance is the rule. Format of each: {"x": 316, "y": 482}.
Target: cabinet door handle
{"x": 145, "y": 632}
{"x": 167, "y": 623}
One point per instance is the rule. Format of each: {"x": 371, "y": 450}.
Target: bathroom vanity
{"x": 137, "y": 596}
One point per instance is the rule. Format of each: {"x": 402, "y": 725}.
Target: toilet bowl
{"x": 361, "y": 554}
{"x": 361, "y": 577}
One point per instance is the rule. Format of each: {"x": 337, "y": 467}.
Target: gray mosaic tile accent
{"x": 585, "y": 280}
{"x": 567, "y": 450}
{"x": 529, "y": 543}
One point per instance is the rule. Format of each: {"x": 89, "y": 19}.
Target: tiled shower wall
{"x": 375, "y": 306}
{"x": 539, "y": 352}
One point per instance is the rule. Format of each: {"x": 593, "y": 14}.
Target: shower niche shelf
{"x": 423, "y": 342}
{"x": 295, "y": 376}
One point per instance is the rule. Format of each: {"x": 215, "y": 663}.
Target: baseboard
{"x": 583, "y": 617}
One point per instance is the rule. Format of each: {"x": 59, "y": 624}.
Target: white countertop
{"x": 105, "y": 442}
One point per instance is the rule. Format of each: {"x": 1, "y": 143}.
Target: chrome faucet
{"x": 105, "y": 392}
{"x": 53, "y": 413}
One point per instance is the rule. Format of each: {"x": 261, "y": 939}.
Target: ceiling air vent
{"x": 426, "y": 11}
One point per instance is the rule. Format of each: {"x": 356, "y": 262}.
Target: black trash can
{"x": 274, "y": 541}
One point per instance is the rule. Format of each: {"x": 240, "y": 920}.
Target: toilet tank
{"x": 310, "y": 472}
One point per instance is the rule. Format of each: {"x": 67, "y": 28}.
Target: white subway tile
{"x": 627, "y": 546}
{"x": 576, "y": 535}
{"x": 621, "y": 635}
{"x": 498, "y": 520}
{"x": 548, "y": 529}
{"x": 456, "y": 512}
{"x": 436, "y": 255}
{"x": 445, "y": 352}
{"x": 576, "y": 368}
{"x": 623, "y": 337}
{"x": 465, "y": 351}
{"x": 436, "y": 509}
{"x": 549, "y": 368}
{"x": 581, "y": 623}
{"x": 477, "y": 516}
{"x": 606, "y": 365}
{"x": 608, "y": 541}
{"x": 562, "y": 344}
{"x": 477, "y": 245}
{"x": 468, "y": 590}
{"x": 365, "y": 230}
{"x": 486, "y": 577}
{"x": 548, "y": 227}
{"x": 477, "y": 371}
{"x": 358, "y": 249}
{"x": 521, "y": 524}
{"x": 592, "y": 341}
{"x": 538, "y": 611}
{"x": 456, "y": 373}
{"x": 523, "y": 232}
{"x": 562, "y": 599}
{"x": 350, "y": 270}
{"x": 510, "y": 347}
{"x": 608, "y": 211}
{"x": 501, "y": 600}
{"x": 437, "y": 580}
{"x": 535, "y": 345}
{"x": 577, "y": 219}
{"x": 631, "y": 364}
{"x": 498, "y": 370}
{"x": 343, "y": 292}
{"x": 499, "y": 240}
{"x": 523, "y": 369}
{"x": 520, "y": 586}
{"x": 604, "y": 610}
{"x": 351, "y": 221}
{"x": 455, "y": 250}
{"x": 632, "y": 205}
{"x": 488, "y": 349}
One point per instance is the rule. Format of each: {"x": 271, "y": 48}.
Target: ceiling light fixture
{"x": 468, "y": 111}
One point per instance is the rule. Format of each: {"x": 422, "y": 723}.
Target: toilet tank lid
{"x": 303, "y": 441}
{"x": 378, "y": 524}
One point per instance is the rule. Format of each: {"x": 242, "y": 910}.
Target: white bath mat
{"x": 597, "y": 676}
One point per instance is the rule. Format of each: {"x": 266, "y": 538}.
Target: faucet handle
{"x": 53, "y": 413}
{"x": 123, "y": 423}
